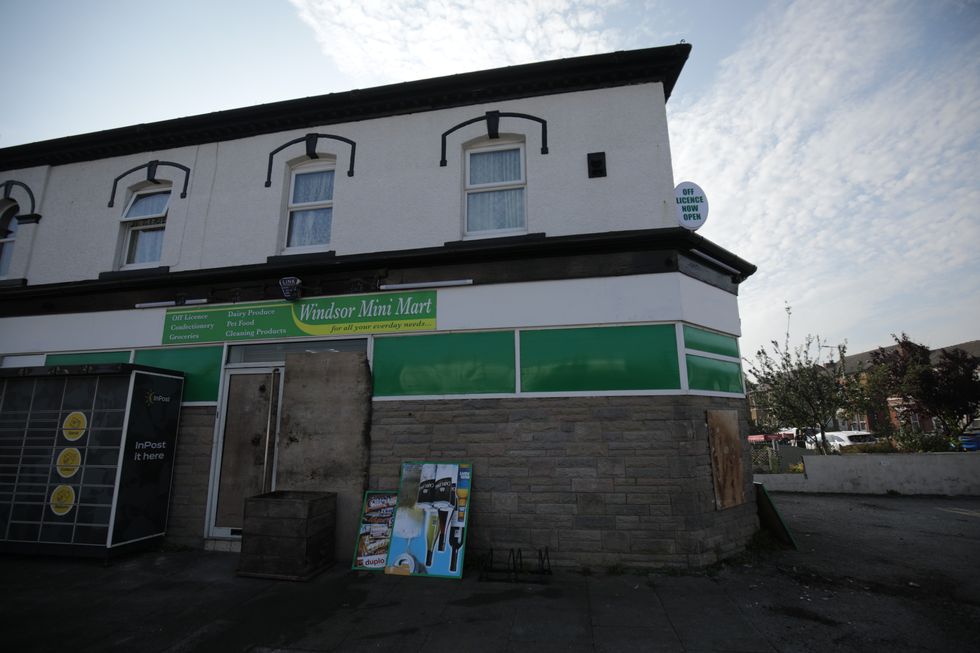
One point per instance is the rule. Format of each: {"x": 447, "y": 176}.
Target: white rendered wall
{"x": 669, "y": 297}
{"x": 38, "y": 334}
{"x": 610, "y": 300}
{"x": 398, "y": 198}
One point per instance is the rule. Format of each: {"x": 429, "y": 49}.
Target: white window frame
{"x": 306, "y": 206}
{"x": 10, "y": 213}
{"x": 132, "y": 225}
{"x": 469, "y": 189}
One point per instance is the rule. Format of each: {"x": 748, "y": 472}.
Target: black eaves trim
{"x": 302, "y": 259}
{"x": 141, "y": 273}
{"x": 483, "y": 243}
{"x": 13, "y": 283}
{"x": 648, "y": 251}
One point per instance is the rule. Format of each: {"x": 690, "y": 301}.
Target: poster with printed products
{"x": 429, "y": 532}
{"x": 374, "y": 535}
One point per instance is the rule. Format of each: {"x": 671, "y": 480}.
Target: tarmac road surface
{"x": 876, "y": 573}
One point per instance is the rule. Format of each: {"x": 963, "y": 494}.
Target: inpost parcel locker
{"x": 86, "y": 457}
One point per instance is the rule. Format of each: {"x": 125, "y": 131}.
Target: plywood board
{"x": 727, "y": 467}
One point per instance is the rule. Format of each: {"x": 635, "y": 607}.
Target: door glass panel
{"x": 248, "y": 448}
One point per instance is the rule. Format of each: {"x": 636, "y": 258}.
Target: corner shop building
{"x": 499, "y": 281}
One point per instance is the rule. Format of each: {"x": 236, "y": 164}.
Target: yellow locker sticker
{"x": 74, "y": 426}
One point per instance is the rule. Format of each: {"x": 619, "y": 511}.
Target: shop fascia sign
{"x": 320, "y": 316}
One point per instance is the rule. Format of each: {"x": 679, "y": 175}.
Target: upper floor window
{"x": 8, "y": 232}
{"x": 144, "y": 222}
{"x": 310, "y": 208}
{"x": 495, "y": 186}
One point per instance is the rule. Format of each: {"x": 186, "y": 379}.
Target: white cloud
{"x": 839, "y": 152}
{"x": 838, "y": 145}
{"x": 384, "y": 41}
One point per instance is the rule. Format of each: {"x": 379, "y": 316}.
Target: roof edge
{"x": 621, "y": 68}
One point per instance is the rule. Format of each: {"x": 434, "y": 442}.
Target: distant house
{"x": 857, "y": 363}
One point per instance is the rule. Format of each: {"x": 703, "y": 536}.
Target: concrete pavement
{"x": 873, "y": 573}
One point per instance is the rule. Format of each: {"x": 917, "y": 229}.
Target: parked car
{"x": 838, "y": 439}
{"x": 970, "y": 441}
{"x": 771, "y": 437}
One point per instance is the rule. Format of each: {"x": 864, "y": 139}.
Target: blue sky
{"x": 837, "y": 140}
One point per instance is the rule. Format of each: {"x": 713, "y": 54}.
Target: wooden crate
{"x": 288, "y": 534}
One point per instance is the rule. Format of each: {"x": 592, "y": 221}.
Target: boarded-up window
{"x": 726, "y": 458}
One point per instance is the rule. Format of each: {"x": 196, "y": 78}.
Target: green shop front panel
{"x": 713, "y": 375}
{"x": 445, "y": 364}
{"x": 86, "y": 457}
{"x": 201, "y": 367}
{"x": 713, "y": 343}
{"x": 600, "y": 359}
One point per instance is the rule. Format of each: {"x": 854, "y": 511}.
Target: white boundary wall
{"x": 951, "y": 474}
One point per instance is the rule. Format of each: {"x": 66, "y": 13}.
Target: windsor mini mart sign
{"x": 322, "y": 316}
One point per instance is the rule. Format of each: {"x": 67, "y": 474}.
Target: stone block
{"x": 541, "y": 467}
{"x": 576, "y": 472}
{"x": 590, "y": 504}
{"x": 543, "y": 537}
{"x": 512, "y": 470}
{"x": 556, "y": 509}
{"x": 627, "y": 522}
{"x": 615, "y": 541}
{"x": 640, "y": 543}
{"x": 504, "y": 502}
{"x": 593, "y": 485}
{"x": 595, "y": 522}
{"x": 611, "y": 466}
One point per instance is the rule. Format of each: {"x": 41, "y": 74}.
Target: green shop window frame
{"x": 712, "y": 361}
{"x": 666, "y": 358}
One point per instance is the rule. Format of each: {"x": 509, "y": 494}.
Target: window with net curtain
{"x": 145, "y": 222}
{"x": 310, "y": 208}
{"x": 495, "y": 189}
{"x": 8, "y": 233}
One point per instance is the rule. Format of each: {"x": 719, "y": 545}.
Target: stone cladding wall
{"x": 192, "y": 468}
{"x": 603, "y": 482}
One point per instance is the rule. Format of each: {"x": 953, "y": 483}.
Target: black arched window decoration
{"x": 493, "y": 128}
{"x": 311, "y": 140}
{"x": 151, "y": 176}
{"x": 8, "y": 186}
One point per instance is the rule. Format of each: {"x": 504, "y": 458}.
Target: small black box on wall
{"x": 597, "y": 164}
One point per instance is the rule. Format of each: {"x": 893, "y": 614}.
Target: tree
{"x": 798, "y": 388}
{"x": 948, "y": 391}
